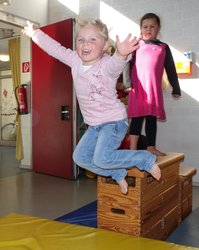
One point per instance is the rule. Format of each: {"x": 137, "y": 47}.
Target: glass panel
{"x": 8, "y": 110}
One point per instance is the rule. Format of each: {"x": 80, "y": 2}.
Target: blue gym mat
{"x": 86, "y": 216}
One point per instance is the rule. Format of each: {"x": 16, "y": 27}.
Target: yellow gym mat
{"x": 23, "y": 232}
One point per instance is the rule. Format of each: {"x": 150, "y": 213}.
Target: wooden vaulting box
{"x": 186, "y": 174}
{"x": 151, "y": 207}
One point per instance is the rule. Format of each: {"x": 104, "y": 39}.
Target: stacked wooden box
{"x": 151, "y": 207}
{"x": 185, "y": 193}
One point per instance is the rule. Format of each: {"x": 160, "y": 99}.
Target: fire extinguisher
{"x": 21, "y": 97}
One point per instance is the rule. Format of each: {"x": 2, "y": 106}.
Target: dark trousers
{"x": 150, "y": 128}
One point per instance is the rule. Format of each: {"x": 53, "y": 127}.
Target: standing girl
{"x": 95, "y": 74}
{"x": 146, "y": 72}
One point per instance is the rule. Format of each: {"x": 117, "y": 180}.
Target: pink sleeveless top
{"x": 146, "y": 96}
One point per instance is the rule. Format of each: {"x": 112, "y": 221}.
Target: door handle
{"x": 65, "y": 113}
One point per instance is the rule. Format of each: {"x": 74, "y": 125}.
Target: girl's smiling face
{"x": 150, "y": 29}
{"x": 90, "y": 44}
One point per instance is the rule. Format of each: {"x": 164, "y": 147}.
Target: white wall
{"x": 26, "y": 122}
{"x": 179, "y": 29}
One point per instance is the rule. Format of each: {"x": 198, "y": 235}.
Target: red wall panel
{"x": 51, "y": 88}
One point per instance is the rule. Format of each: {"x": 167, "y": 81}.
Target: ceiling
{"x": 6, "y": 32}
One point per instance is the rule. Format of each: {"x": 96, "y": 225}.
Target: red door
{"x": 52, "y": 107}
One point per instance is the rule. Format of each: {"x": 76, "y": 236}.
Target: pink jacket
{"x": 96, "y": 87}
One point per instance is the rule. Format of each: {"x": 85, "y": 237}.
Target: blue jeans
{"x": 98, "y": 152}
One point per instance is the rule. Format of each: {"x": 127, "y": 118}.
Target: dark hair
{"x": 150, "y": 16}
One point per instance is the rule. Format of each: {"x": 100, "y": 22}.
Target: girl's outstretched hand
{"x": 128, "y": 46}
{"x": 28, "y": 29}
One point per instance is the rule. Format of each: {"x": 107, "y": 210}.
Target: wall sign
{"x": 184, "y": 67}
{"x": 25, "y": 67}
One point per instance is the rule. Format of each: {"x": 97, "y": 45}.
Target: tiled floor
{"x": 25, "y": 192}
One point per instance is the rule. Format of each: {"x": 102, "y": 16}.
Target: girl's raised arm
{"x": 29, "y": 29}
{"x": 126, "y": 47}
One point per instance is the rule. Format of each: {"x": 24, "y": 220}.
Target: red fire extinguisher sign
{"x": 25, "y": 67}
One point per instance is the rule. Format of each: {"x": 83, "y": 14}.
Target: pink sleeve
{"x": 53, "y": 48}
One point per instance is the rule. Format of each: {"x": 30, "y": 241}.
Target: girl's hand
{"x": 28, "y": 29}
{"x": 126, "y": 47}
{"x": 127, "y": 90}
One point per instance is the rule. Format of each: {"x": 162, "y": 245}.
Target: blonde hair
{"x": 80, "y": 23}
